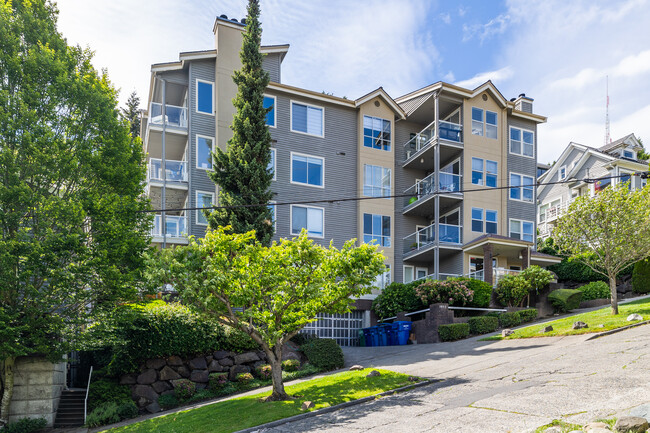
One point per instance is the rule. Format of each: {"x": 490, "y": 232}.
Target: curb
{"x": 614, "y": 331}
{"x": 336, "y": 407}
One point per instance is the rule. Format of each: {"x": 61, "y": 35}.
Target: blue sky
{"x": 556, "y": 51}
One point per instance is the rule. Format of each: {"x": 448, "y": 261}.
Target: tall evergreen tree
{"x": 242, "y": 171}
{"x": 131, "y": 113}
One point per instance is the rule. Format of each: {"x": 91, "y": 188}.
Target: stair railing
{"x": 87, "y": 389}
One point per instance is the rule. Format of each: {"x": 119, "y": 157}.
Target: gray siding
{"x": 272, "y": 64}
{"x": 522, "y": 165}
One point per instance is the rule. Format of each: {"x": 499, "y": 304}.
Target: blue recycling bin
{"x": 368, "y": 337}
{"x": 403, "y": 332}
{"x": 383, "y": 337}
{"x": 390, "y": 335}
{"x": 395, "y": 331}
{"x": 374, "y": 334}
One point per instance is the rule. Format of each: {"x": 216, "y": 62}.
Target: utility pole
{"x": 608, "y": 139}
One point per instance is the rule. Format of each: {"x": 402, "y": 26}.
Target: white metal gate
{"x": 343, "y": 328}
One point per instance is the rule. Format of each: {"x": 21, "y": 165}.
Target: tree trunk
{"x": 612, "y": 289}
{"x": 8, "y": 385}
{"x": 275, "y": 358}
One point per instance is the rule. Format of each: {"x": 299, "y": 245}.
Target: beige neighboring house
{"x": 579, "y": 163}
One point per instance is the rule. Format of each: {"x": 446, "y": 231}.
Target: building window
{"x": 203, "y": 199}
{"x": 521, "y": 230}
{"x": 521, "y": 187}
{"x": 204, "y": 148}
{"x": 408, "y": 274}
{"x": 490, "y": 173}
{"x": 522, "y": 142}
{"x": 562, "y": 173}
{"x": 204, "y": 97}
{"x": 376, "y": 181}
{"x": 477, "y": 121}
{"x": 307, "y": 119}
{"x": 491, "y": 222}
{"x": 272, "y": 161}
{"x": 307, "y": 217}
{"x": 269, "y": 102}
{"x": 383, "y": 280}
{"x": 376, "y": 133}
{"x": 491, "y": 169}
{"x": 376, "y": 228}
{"x": 477, "y": 171}
{"x": 477, "y": 220}
{"x": 307, "y": 170}
{"x": 628, "y": 154}
{"x": 271, "y": 207}
{"x": 490, "y": 124}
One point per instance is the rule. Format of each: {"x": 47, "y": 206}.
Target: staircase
{"x": 71, "y": 409}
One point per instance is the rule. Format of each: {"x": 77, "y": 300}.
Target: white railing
{"x": 90, "y": 375}
{"x": 175, "y": 171}
{"x": 174, "y": 116}
{"x": 448, "y": 131}
{"x": 176, "y": 226}
{"x": 448, "y": 183}
{"x": 449, "y": 234}
{"x": 499, "y": 273}
{"x": 477, "y": 275}
{"x": 553, "y": 212}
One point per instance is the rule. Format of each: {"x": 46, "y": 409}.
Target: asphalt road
{"x": 504, "y": 386}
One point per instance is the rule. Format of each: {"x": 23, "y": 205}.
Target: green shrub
{"x": 184, "y": 389}
{"x": 482, "y": 324}
{"x": 509, "y": 320}
{"x": 106, "y": 413}
{"x": 168, "y": 401}
{"x": 306, "y": 370}
{"x": 511, "y": 290}
{"x": 290, "y": 365}
{"x": 217, "y": 380}
{"x": 595, "y": 290}
{"x": 482, "y": 291}
{"x": 448, "y": 292}
{"x": 202, "y": 394}
{"x": 264, "y": 371}
{"x": 25, "y": 425}
{"x": 453, "y": 332}
{"x": 244, "y": 377}
{"x": 528, "y": 315}
{"x": 641, "y": 276}
{"x": 565, "y": 299}
{"x": 537, "y": 277}
{"x": 134, "y": 333}
{"x": 303, "y": 338}
{"x": 127, "y": 410}
{"x": 395, "y": 298}
{"x": 324, "y": 354}
{"x": 105, "y": 391}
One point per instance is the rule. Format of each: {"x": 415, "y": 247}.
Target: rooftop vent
{"x": 524, "y": 103}
{"x": 512, "y": 99}
{"x": 234, "y": 20}
{"x": 522, "y": 95}
{"x": 224, "y": 16}
{"x": 243, "y": 21}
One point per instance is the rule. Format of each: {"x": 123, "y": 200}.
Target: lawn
{"x": 249, "y": 411}
{"x": 603, "y": 317}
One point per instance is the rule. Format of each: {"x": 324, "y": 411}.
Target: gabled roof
{"x": 587, "y": 151}
{"x": 629, "y": 139}
{"x": 381, "y": 93}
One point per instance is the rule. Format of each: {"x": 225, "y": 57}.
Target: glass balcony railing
{"x": 451, "y": 131}
{"x": 449, "y": 183}
{"x": 176, "y": 226}
{"x": 174, "y": 116}
{"x": 175, "y": 171}
{"x": 448, "y": 131}
{"x": 449, "y": 234}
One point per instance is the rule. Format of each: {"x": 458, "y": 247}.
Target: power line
{"x": 643, "y": 175}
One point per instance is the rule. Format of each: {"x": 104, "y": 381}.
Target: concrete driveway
{"x": 504, "y": 386}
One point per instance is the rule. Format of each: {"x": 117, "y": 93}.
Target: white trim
{"x": 521, "y": 234}
{"x": 495, "y": 261}
{"x": 307, "y": 156}
{"x": 371, "y": 234}
{"x": 171, "y": 66}
{"x": 272, "y": 49}
{"x": 275, "y": 110}
{"x": 522, "y": 142}
{"x": 196, "y": 148}
{"x": 404, "y": 273}
{"x": 306, "y": 207}
{"x": 312, "y": 106}
{"x": 419, "y": 268}
{"x": 196, "y": 106}
{"x": 199, "y": 204}
{"x": 380, "y": 92}
{"x": 310, "y": 94}
{"x": 197, "y": 55}
{"x": 364, "y": 185}
{"x": 545, "y": 259}
{"x": 275, "y": 165}
{"x": 472, "y": 219}
{"x": 559, "y": 175}
{"x": 483, "y": 220}
{"x": 521, "y": 187}
{"x": 275, "y": 215}
{"x": 363, "y": 133}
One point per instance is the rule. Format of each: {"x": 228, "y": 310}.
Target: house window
{"x": 626, "y": 177}
{"x": 521, "y": 230}
{"x": 204, "y": 148}
{"x": 271, "y": 207}
{"x": 421, "y": 273}
{"x": 269, "y": 102}
{"x": 204, "y": 97}
{"x": 491, "y": 221}
{"x": 491, "y": 168}
{"x": 490, "y": 173}
{"x": 562, "y": 173}
{"x": 477, "y": 220}
{"x": 628, "y": 154}
{"x": 376, "y": 181}
{"x": 306, "y": 119}
{"x": 203, "y": 199}
{"x": 376, "y": 228}
{"x": 408, "y": 274}
{"x": 521, "y": 187}
{"x": 490, "y": 124}
{"x": 271, "y": 166}
{"x": 477, "y": 121}
{"x": 522, "y": 142}
{"x": 477, "y": 171}
{"x": 307, "y": 170}
{"x": 376, "y": 133}
{"x": 383, "y": 280}
{"x": 307, "y": 217}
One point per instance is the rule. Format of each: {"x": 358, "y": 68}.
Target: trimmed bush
{"x": 482, "y": 291}
{"x": 595, "y": 290}
{"x": 105, "y": 390}
{"x": 303, "y": 338}
{"x": 528, "y": 315}
{"x": 244, "y": 377}
{"x": 184, "y": 389}
{"x": 324, "y": 354}
{"x": 25, "y": 425}
{"x": 565, "y": 299}
{"x": 395, "y": 298}
{"x": 168, "y": 401}
{"x": 509, "y": 320}
{"x": 106, "y": 413}
{"x": 290, "y": 365}
{"x": 453, "y": 332}
{"x": 218, "y": 380}
{"x": 641, "y": 276}
{"x": 448, "y": 292}
{"x": 482, "y": 324}
{"x": 127, "y": 410}
{"x": 511, "y": 290}
{"x": 263, "y": 371}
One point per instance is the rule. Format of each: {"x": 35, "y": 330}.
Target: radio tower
{"x": 607, "y": 137}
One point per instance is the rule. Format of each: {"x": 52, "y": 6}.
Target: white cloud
{"x": 462, "y": 11}
{"x": 497, "y": 76}
{"x": 495, "y": 26}
{"x": 446, "y": 18}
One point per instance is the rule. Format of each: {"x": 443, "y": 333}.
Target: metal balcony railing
{"x": 174, "y": 116}
{"x": 449, "y": 235}
{"x": 175, "y": 171}
{"x": 176, "y": 226}
{"x": 448, "y": 183}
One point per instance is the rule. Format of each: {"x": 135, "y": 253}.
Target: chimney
{"x": 524, "y": 103}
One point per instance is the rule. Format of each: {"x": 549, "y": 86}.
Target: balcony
{"x": 175, "y": 171}
{"x": 441, "y": 277}
{"x": 554, "y": 212}
{"x": 425, "y": 190}
{"x": 497, "y": 274}
{"x": 421, "y": 145}
{"x": 176, "y": 228}
{"x": 424, "y": 240}
{"x": 175, "y": 117}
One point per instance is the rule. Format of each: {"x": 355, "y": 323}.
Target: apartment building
{"x": 414, "y": 160}
{"x": 579, "y": 163}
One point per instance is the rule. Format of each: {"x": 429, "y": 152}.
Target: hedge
{"x": 106, "y": 390}
{"x": 527, "y": 315}
{"x": 482, "y": 291}
{"x": 324, "y": 354}
{"x": 395, "y": 298}
{"x": 453, "y": 332}
{"x": 134, "y": 333}
{"x": 482, "y": 324}
{"x": 641, "y": 277}
{"x": 595, "y": 290}
{"x": 509, "y": 320}
{"x": 565, "y": 299}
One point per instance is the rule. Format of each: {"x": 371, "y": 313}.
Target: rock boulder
{"x": 147, "y": 377}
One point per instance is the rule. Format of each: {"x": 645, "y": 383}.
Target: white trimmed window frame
{"x": 211, "y": 83}
{"x": 275, "y": 110}
{"x": 304, "y": 155}
{"x": 196, "y": 144}
{"x": 307, "y": 207}
{"x": 472, "y": 219}
{"x": 367, "y": 184}
{"x": 274, "y": 209}
{"x": 521, "y": 132}
{"x": 201, "y": 204}
{"x": 274, "y": 161}
{"x": 521, "y": 187}
{"x": 521, "y": 227}
{"x": 561, "y": 173}
{"x": 322, "y": 118}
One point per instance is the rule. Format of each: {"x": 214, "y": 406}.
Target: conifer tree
{"x": 131, "y": 113}
{"x": 242, "y": 172}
